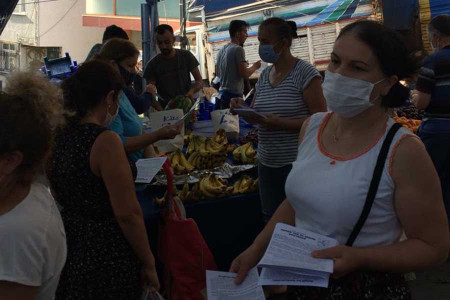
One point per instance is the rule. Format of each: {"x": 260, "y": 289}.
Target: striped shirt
{"x": 278, "y": 148}
{"x": 434, "y": 79}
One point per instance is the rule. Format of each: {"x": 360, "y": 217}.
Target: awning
{"x": 6, "y": 10}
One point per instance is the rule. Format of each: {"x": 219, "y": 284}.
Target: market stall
{"x": 230, "y": 221}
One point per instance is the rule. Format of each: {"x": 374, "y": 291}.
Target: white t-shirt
{"x": 33, "y": 242}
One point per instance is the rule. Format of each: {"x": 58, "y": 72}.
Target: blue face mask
{"x": 267, "y": 53}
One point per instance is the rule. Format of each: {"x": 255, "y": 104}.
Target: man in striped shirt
{"x": 433, "y": 95}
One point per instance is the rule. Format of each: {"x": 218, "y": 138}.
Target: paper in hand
{"x": 148, "y": 168}
{"x": 221, "y": 286}
{"x": 248, "y": 112}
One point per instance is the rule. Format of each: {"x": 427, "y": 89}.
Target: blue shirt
{"x": 127, "y": 124}
{"x": 434, "y": 79}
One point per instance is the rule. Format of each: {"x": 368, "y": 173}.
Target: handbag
{"x": 183, "y": 250}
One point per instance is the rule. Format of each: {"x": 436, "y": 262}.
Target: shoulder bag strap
{"x": 374, "y": 183}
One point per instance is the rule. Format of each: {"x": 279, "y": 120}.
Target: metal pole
{"x": 149, "y": 20}
{"x": 154, "y": 19}
{"x": 146, "y": 40}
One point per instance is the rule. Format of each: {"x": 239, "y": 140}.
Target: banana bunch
{"x": 179, "y": 163}
{"x": 205, "y": 153}
{"x": 161, "y": 201}
{"x": 187, "y": 136}
{"x": 189, "y": 196}
{"x": 245, "y": 154}
{"x": 245, "y": 185}
{"x": 220, "y": 137}
{"x": 212, "y": 186}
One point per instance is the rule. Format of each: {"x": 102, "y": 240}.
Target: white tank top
{"x": 328, "y": 192}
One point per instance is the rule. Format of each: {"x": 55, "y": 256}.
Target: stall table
{"x": 229, "y": 225}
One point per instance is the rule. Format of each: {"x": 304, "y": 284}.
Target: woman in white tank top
{"x": 329, "y": 182}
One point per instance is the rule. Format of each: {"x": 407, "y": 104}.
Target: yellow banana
{"x": 192, "y": 157}
{"x": 203, "y": 189}
{"x": 213, "y": 185}
{"x": 236, "y": 186}
{"x": 245, "y": 184}
{"x": 243, "y": 150}
{"x": 184, "y": 192}
{"x": 175, "y": 159}
{"x": 185, "y": 163}
{"x": 190, "y": 148}
{"x": 203, "y": 152}
{"x": 237, "y": 154}
{"x": 250, "y": 152}
{"x": 179, "y": 169}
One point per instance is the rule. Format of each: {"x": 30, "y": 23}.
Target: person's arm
{"x": 245, "y": 71}
{"x": 425, "y": 84}
{"x": 198, "y": 84}
{"x": 136, "y": 143}
{"x": 109, "y": 161}
{"x": 420, "y": 210}
{"x": 314, "y": 100}
{"x": 421, "y": 100}
{"x": 250, "y": 257}
{"x": 15, "y": 291}
{"x": 303, "y": 130}
{"x": 140, "y": 103}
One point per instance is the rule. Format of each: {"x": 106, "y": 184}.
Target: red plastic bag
{"x": 183, "y": 251}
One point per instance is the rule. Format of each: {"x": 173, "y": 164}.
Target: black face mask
{"x": 127, "y": 76}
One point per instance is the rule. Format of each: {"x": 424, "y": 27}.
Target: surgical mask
{"x": 347, "y": 96}
{"x": 267, "y": 53}
{"x": 127, "y": 76}
{"x": 109, "y": 117}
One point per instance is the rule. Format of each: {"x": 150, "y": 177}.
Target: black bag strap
{"x": 374, "y": 183}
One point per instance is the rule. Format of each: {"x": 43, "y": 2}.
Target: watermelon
{"x": 181, "y": 102}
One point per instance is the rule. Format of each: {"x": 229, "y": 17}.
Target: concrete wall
{"x": 21, "y": 27}
{"x": 60, "y": 25}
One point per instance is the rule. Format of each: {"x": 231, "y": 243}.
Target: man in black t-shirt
{"x": 171, "y": 70}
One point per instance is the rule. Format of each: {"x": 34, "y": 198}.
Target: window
{"x": 20, "y": 7}
{"x": 9, "y": 57}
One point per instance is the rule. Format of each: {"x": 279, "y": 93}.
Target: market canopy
{"x": 6, "y": 9}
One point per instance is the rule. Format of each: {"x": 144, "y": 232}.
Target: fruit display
{"x": 220, "y": 137}
{"x": 410, "y": 112}
{"x": 189, "y": 196}
{"x": 184, "y": 103}
{"x": 245, "y": 154}
{"x": 410, "y": 124}
{"x": 187, "y": 136}
{"x": 181, "y": 102}
{"x": 245, "y": 185}
{"x": 205, "y": 153}
{"x": 180, "y": 164}
{"x": 212, "y": 186}
{"x": 252, "y": 137}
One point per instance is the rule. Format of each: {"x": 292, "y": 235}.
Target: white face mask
{"x": 110, "y": 118}
{"x": 347, "y": 96}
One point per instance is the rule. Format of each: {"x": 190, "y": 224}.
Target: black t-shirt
{"x": 172, "y": 76}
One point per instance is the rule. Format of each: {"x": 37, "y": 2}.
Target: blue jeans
{"x": 225, "y": 98}
{"x": 435, "y": 134}
{"x": 271, "y": 188}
